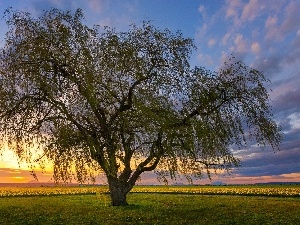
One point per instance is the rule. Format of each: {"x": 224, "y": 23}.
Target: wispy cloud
{"x": 97, "y": 5}
{"x": 211, "y": 42}
{"x": 252, "y": 10}
{"x": 255, "y": 48}
{"x": 240, "y": 44}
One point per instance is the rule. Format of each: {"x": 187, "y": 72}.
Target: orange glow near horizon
{"x": 12, "y": 171}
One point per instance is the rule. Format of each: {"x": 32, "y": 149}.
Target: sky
{"x": 265, "y": 34}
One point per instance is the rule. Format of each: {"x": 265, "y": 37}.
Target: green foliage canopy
{"x": 127, "y": 102}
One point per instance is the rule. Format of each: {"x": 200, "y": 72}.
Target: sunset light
{"x": 14, "y": 171}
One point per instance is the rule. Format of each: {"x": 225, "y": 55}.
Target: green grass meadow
{"x": 150, "y": 208}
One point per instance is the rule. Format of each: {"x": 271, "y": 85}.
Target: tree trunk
{"x": 118, "y": 192}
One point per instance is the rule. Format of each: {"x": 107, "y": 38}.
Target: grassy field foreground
{"x": 150, "y": 208}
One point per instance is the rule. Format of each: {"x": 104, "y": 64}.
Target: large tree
{"x": 128, "y": 102}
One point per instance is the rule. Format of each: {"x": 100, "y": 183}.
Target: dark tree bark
{"x": 118, "y": 191}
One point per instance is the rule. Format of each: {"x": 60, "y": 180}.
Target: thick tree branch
{"x": 127, "y": 101}
{"x": 154, "y": 155}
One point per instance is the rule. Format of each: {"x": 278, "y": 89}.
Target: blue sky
{"x": 264, "y": 34}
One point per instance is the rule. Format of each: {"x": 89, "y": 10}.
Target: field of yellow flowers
{"x": 278, "y": 191}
